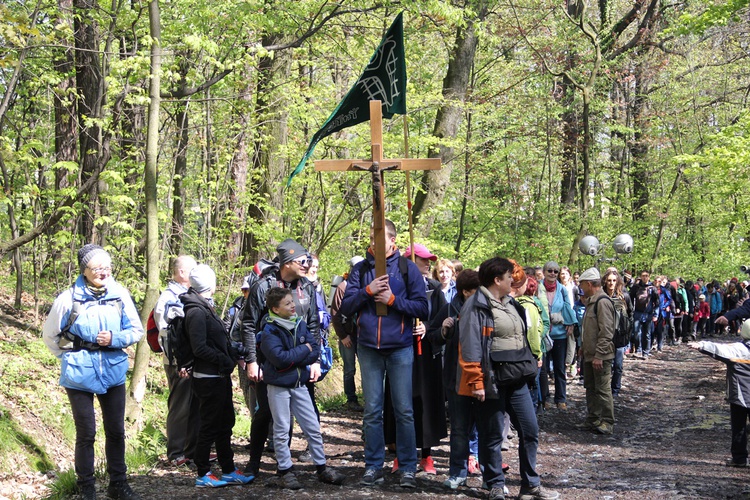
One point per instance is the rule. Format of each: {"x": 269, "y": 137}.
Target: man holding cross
{"x": 385, "y": 346}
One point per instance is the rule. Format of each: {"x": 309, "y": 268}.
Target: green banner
{"x": 384, "y": 79}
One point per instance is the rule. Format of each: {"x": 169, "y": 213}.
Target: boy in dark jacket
{"x": 289, "y": 350}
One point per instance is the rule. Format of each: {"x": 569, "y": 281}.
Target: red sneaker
{"x": 395, "y": 466}
{"x": 428, "y": 465}
{"x": 474, "y": 465}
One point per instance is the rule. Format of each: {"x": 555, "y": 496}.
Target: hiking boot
{"x": 355, "y": 406}
{"x": 537, "y": 493}
{"x": 120, "y": 490}
{"x": 237, "y": 477}
{"x": 331, "y": 476}
{"x": 732, "y": 463}
{"x": 547, "y": 405}
{"x": 290, "y": 481}
{"x": 588, "y": 426}
{"x": 473, "y": 467}
{"x": 88, "y": 491}
{"x": 428, "y": 465}
{"x": 180, "y": 461}
{"x": 497, "y": 494}
{"x": 209, "y": 481}
{"x": 305, "y": 457}
{"x": 372, "y": 477}
{"x": 604, "y": 428}
{"x": 454, "y": 482}
{"x": 408, "y": 480}
{"x": 562, "y": 406}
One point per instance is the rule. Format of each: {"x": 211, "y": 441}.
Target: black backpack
{"x": 177, "y": 347}
{"x": 623, "y": 323}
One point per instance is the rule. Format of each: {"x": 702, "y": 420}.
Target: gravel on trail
{"x": 671, "y": 440}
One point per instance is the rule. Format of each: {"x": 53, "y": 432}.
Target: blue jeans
{"x": 643, "y": 327}
{"x": 617, "y": 371}
{"x": 461, "y": 410}
{"x": 559, "y": 351}
{"x": 397, "y": 363}
{"x": 348, "y": 356}
{"x": 490, "y": 420}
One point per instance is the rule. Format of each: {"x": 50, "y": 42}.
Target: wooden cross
{"x": 377, "y": 165}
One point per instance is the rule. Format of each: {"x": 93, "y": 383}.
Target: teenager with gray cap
{"x": 88, "y": 328}
{"x": 211, "y": 378}
{"x": 289, "y": 271}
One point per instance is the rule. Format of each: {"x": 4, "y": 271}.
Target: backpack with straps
{"x": 623, "y": 323}
{"x": 175, "y": 341}
{"x": 69, "y": 340}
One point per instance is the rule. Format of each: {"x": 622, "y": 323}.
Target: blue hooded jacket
{"x": 393, "y": 331}
{"x": 287, "y": 358}
{"x": 94, "y": 371}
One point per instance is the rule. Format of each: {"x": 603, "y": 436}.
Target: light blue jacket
{"x": 560, "y": 312}
{"x": 714, "y": 300}
{"x": 94, "y": 370}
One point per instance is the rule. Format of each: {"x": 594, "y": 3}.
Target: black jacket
{"x": 255, "y": 311}
{"x": 208, "y": 337}
{"x": 450, "y": 340}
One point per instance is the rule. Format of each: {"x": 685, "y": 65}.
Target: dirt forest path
{"x": 671, "y": 440}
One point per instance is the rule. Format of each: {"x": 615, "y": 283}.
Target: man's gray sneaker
{"x": 537, "y": 493}
{"x": 372, "y": 477}
{"x": 497, "y": 494}
{"x": 290, "y": 481}
{"x": 454, "y": 482}
{"x": 408, "y": 480}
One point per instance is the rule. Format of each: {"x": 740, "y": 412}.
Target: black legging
{"x": 112, "y": 405}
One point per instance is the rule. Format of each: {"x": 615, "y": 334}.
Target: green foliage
{"x": 717, "y": 14}
{"x": 64, "y": 486}
{"x": 15, "y": 442}
{"x": 143, "y": 452}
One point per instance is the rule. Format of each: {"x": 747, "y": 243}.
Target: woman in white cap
{"x": 212, "y": 383}
{"x": 88, "y": 328}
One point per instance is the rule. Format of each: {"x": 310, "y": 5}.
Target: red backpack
{"x": 152, "y": 333}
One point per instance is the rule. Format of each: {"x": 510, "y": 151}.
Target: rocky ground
{"x": 671, "y": 440}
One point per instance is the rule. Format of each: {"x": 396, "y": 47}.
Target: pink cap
{"x": 420, "y": 251}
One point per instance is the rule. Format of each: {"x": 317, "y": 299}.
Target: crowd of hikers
{"x": 503, "y": 340}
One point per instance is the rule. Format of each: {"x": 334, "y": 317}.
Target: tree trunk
{"x": 90, "y": 86}
{"x": 66, "y": 134}
{"x": 137, "y": 388}
{"x": 639, "y": 145}
{"x": 238, "y": 168}
{"x": 180, "y": 172}
{"x": 448, "y": 119}
{"x": 268, "y": 165}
